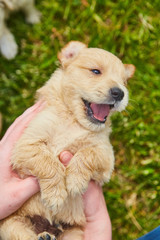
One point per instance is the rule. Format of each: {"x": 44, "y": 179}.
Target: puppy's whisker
{"x": 133, "y": 101}
{"x": 128, "y": 113}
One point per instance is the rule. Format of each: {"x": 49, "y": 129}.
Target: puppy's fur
{"x": 79, "y": 101}
{"x": 8, "y": 46}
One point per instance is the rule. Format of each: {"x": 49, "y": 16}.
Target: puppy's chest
{"x": 69, "y": 137}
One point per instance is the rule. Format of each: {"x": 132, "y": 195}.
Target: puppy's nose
{"x": 117, "y": 93}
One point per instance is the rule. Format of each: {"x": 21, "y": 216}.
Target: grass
{"x": 130, "y": 30}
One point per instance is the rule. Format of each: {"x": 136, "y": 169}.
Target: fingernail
{"x": 65, "y": 157}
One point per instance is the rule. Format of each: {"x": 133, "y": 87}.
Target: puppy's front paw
{"x": 46, "y": 236}
{"x": 8, "y": 46}
{"x": 76, "y": 184}
{"x": 33, "y": 17}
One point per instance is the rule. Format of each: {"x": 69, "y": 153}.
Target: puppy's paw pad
{"x": 33, "y": 17}
{"x": 8, "y": 46}
{"x": 46, "y": 236}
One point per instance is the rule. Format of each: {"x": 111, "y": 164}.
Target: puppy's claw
{"x": 40, "y": 238}
{"x": 46, "y": 236}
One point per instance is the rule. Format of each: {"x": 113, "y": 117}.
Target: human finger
{"x": 93, "y": 199}
{"x": 65, "y": 157}
{"x": 98, "y": 222}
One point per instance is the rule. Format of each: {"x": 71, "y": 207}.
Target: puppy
{"x": 8, "y": 46}
{"x": 80, "y": 98}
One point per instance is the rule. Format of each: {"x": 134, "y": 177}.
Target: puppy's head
{"x": 93, "y": 83}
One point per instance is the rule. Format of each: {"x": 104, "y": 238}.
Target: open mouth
{"x": 97, "y": 113}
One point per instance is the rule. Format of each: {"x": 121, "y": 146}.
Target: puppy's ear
{"x": 70, "y": 51}
{"x": 130, "y": 69}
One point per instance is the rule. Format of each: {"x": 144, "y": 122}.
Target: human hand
{"x": 15, "y": 191}
{"x": 98, "y": 224}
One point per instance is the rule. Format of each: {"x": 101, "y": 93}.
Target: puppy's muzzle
{"x": 98, "y": 112}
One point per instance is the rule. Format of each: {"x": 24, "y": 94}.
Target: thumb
{"x": 65, "y": 157}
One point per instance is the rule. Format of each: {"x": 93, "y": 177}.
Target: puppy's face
{"x": 93, "y": 83}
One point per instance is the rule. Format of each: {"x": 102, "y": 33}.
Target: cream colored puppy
{"x": 80, "y": 97}
{"x": 8, "y": 46}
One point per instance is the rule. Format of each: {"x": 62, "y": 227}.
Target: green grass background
{"x": 130, "y": 30}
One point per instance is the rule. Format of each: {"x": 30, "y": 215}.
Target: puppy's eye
{"x": 96, "y": 71}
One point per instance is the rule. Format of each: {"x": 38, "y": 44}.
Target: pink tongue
{"x": 100, "y": 111}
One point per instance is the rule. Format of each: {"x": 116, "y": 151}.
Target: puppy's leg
{"x": 8, "y": 46}
{"x": 72, "y": 212}
{"x": 38, "y": 160}
{"x": 32, "y": 14}
{"x": 89, "y": 163}
{"x": 16, "y": 228}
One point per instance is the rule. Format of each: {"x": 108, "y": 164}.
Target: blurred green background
{"x": 130, "y": 30}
